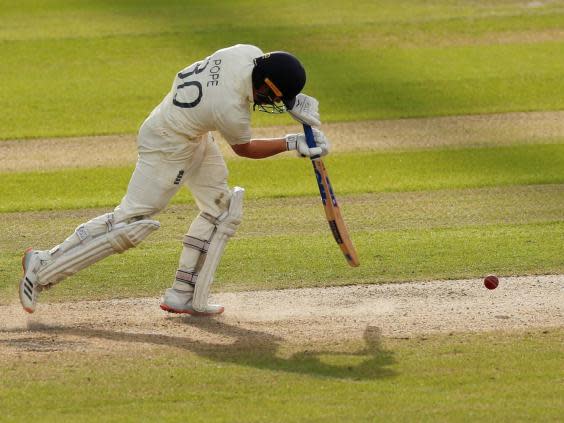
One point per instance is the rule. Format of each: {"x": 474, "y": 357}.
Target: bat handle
{"x": 310, "y": 140}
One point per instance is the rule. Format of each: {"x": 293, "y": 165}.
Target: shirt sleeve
{"x": 236, "y": 125}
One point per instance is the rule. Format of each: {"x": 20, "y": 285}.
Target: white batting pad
{"x": 225, "y": 230}
{"x": 121, "y": 237}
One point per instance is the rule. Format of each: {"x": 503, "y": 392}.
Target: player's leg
{"x": 203, "y": 245}
{"x": 151, "y": 187}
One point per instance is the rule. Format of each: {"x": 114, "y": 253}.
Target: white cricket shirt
{"x": 213, "y": 94}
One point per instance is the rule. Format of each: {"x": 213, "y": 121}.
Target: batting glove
{"x": 306, "y": 110}
{"x": 298, "y": 142}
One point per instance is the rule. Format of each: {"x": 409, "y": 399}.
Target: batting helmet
{"x": 283, "y": 75}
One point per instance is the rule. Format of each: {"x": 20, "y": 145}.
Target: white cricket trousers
{"x": 165, "y": 163}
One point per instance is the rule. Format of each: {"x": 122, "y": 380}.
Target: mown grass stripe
{"x": 386, "y": 256}
{"x": 375, "y": 62}
{"x": 289, "y": 177}
{"x": 365, "y": 212}
{"x": 502, "y": 377}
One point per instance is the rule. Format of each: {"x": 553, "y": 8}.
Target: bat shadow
{"x": 257, "y": 349}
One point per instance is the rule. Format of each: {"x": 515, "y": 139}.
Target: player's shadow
{"x": 258, "y": 349}
{"x": 263, "y": 350}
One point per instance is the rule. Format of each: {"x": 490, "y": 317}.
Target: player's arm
{"x": 261, "y": 148}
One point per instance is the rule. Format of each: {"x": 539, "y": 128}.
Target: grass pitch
{"x": 81, "y": 68}
{"x": 406, "y": 236}
{"x": 288, "y": 177}
{"x": 490, "y": 377}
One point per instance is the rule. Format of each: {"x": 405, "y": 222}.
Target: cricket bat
{"x": 332, "y": 210}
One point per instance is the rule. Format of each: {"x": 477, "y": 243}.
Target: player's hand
{"x": 306, "y": 110}
{"x": 298, "y": 142}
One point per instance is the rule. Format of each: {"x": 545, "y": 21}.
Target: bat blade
{"x": 331, "y": 206}
{"x": 334, "y": 217}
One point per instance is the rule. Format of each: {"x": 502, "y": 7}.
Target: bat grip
{"x": 310, "y": 140}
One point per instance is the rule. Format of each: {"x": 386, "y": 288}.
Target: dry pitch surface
{"x": 302, "y": 316}
{"x": 295, "y": 316}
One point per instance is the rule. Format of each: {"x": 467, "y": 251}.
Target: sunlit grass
{"x": 288, "y": 177}
{"x": 400, "y": 237}
{"x": 93, "y": 67}
{"x": 502, "y": 377}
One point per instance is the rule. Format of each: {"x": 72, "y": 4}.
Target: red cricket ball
{"x": 491, "y": 282}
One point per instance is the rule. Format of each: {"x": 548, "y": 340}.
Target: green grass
{"x": 287, "y": 177}
{"x": 500, "y": 377}
{"x": 98, "y": 67}
{"x": 406, "y": 236}
{"x": 390, "y": 256}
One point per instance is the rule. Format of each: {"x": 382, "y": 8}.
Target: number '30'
{"x": 197, "y": 69}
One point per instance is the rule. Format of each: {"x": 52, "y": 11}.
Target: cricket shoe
{"x": 180, "y": 302}
{"x": 29, "y": 286}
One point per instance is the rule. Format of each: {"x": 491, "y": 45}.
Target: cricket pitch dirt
{"x": 296, "y": 316}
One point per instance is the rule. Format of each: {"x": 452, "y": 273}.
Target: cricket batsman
{"x": 176, "y": 148}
